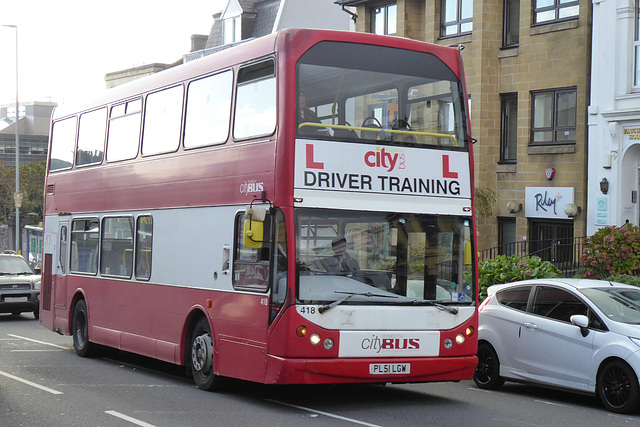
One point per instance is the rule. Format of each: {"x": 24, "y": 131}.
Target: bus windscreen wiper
{"x": 439, "y": 306}
{"x": 351, "y": 294}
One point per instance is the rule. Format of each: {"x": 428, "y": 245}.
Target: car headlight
{"x": 636, "y": 341}
{"x": 36, "y": 285}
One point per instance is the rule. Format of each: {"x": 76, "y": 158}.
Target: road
{"x": 43, "y": 383}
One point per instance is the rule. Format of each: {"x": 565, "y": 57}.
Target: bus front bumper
{"x": 367, "y": 370}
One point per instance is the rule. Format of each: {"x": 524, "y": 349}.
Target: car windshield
{"x": 618, "y": 304}
{"x": 14, "y": 266}
{"x": 382, "y": 258}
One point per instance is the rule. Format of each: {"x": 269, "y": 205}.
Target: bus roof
{"x": 241, "y": 53}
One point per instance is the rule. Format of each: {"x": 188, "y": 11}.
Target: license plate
{"x": 15, "y": 299}
{"x": 389, "y": 368}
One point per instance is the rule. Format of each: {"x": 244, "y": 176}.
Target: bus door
{"x": 60, "y": 267}
{"x": 54, "y": 279}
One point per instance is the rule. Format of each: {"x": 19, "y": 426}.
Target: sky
{"x": 66, "y": 47}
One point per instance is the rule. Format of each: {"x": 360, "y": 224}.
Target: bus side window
{"x": 144, "y": 239}
{"x": 84, "y": 245}
{"x": 116, "y": 256}
{"x": 124, "y": 130}
{"x": 251, "y": 265}
{"x": 255, "y": 111}
{"x": 91, "y": 132}
{"x": 206, "y": 98}
{"x": 63, "y": 141}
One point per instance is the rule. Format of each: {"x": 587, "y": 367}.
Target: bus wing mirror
{"x": 253, "y": 234}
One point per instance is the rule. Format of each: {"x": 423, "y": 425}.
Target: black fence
{"x": 563, "y": 253}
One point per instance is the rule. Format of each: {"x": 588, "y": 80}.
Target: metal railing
{"x": 563, "y": 253}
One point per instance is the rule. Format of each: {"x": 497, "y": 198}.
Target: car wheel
{"x": 618, "y": 388}
{"x": 487, "y": 375}
{"x": 80, "y": 331}
{"x": 201, "y": 360}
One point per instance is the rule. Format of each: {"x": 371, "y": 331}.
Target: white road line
{"x": 545, "y": 402}
{"x": 32, "y": 384}
{"x": 326, "y": 414}
{"x": 32, "y": 351}
{"x": 39, "y": 342}
{"x": 128, "y": 418}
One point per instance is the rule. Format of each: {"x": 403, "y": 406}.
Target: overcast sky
{"x": 65, "y": 47}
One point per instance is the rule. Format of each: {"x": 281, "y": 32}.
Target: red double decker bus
{"x": 296, "y": 209}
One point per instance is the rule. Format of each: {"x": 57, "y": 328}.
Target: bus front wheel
{"x": 80, "y": 330}
{"x": 202, "y": 357}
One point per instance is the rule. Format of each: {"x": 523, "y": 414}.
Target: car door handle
{"x": 531, "y": 325}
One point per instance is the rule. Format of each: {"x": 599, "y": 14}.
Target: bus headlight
{"x": 315, "y": 339}
{"x": 448, "y": 343}
{"x": 460, "y": 339}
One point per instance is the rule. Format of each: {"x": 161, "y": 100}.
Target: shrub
{"x": 610, "y": 251}
{"x": 505, "y": 269}
{"x": 625, "y": 278}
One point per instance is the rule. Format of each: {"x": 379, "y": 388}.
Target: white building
{"x": 614, "y": 116}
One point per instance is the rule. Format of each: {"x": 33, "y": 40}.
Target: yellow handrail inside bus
{"x": 403, "y": 132}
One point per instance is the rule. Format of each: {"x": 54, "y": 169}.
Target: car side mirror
{"x": 582, "y": 322}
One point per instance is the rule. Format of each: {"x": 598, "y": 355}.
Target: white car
{"x": 576, "y": 334}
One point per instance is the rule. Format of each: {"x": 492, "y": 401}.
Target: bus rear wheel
{"x": 202, "y": 357}
{"x": 80, "y": 331}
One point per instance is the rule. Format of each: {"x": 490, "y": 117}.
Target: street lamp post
{"x": 17, "y": 197}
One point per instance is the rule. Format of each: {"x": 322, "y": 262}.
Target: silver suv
{"x": 19, "y": 286}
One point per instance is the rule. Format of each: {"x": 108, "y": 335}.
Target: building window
{"x": 232, "y": 30}
{"x": 553, "y": 118}
{"x": 546, "y": 11}
{"x": 509, "y": 128}
{"x": 456, "y": 17}
{"x": 383, "y": 20}
{"x": 506, "y": 236}
{"x": 511, "y": 23}
{"x": 636, "y": 48}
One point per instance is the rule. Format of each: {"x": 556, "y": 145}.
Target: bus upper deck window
{"x": 255, "y": 111}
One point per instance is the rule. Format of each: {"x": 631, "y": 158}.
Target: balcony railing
{"x": 563, "y": 253}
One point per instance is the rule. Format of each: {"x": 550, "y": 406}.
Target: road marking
{"x": 39, "y": 342}
{"x": 128, "y": 418}
{"x": 326, "y": 414}
{"x": 31, "y": 351}
{"x": 32, "y": 384}
{"x": 552, "y": 403}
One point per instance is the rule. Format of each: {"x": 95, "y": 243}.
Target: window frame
{"x": 80, "y": 140}
{"x": 459, "y": 22}
{"x": 172, "y": 122}
{"x": 554, "y": 128}
{"x": 636, "y": 47}
{"x": 196, "y": 108}
{"x": 253, "y": 74}
{"x": 138, "y": 247}
{"x": 96, "y": 256}
{"x": 385, "y": 18}
{"x": 506, "y": 144}
{"x": 236, "y": 259}
{"x": 109, "y": 241}
{"x": 508, "y": 31}
{"x": 117, "y": 120}
{"x": 557, "y": 7}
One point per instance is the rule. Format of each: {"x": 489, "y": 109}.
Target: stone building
{"x": 614, "y": 116}
{"x": 527, "y": 71}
